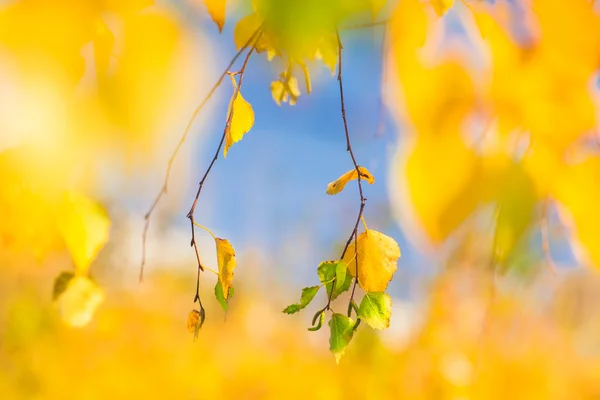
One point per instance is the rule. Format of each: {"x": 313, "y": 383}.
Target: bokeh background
{"x": 104, "y": 123}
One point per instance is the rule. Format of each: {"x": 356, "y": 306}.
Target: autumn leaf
{"x": 327, "y": 271}
{"x": 244, "y": 30}
{"x": 341, "y": 332}
{"x": 79, "y": 300}
{"x": 84, "y": 227}
{"x": 444, "y": 182}
{"x": 328, "y": 52}
{"x": 338, "y": 185}
{"x": 376, "y": 310}
{"x": 241, "y": 118}
{"x": 308, "y": 293}
{"x": 377, "y": 260}
{"x": 286, "y": 90}
{"x": 193, "y": 321}
{"x": 227, "y": 263}
{"x": 216, "y": 9}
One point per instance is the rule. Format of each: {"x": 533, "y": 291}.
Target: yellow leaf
{"x": 84, "y": 227}
{"x": 216, "y": 9}
{"x": 278, "y": 92}
{"x": 242, "y": 118}
{"x": 227, "y": 263}
{"x": 338, "y": 185}
{"x": 441, "y": 6}
{"x": 328, "y": 52}
{"x": 77, "y": 304}
{"x": 444, "y": 183}
{"x": 285, "y": 91}
{"x": 244, "y": 30}
{"x": 377, "y": 260}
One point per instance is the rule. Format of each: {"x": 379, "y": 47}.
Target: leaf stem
{"x": 190, "y": 215}
{"x": 164, "y": 189}
{"x": 363, "y": 199}
{"x": 206, "y": 229}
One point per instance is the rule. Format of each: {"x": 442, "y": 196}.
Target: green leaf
{"x": 341, "y": 270}
{"x": 60, "y": 283}
{"x": 328, "y": 270}
{"x": 341, "y": 332}
{"x": 220, "y": 298}
{"x": 308, "y": 293}
{"x": 376, "y": 310}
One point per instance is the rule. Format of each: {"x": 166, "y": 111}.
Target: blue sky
{"x": 270, "y": 191}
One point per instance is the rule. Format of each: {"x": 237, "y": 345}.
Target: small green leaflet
{"x": 220, "y": 298}
{"x": 330, "y": 269}
{"x": 376, "y": 310}
{"x": 341, "y": 332}
{"x": 308, "y": 293}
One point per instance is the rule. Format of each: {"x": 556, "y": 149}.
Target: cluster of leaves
{"x": 273, "y": 28}
{"x": 295, "y": 32}
{"x": 370, "y": 261}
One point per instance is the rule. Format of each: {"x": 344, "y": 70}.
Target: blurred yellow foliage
{"x": 508, "y": 131}
{"x": 73, "y": 109}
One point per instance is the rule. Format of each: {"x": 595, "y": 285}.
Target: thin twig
{"x": 190, "y": 214}
{"x": 363, "y": 200}
{"x": 164, "y": 188}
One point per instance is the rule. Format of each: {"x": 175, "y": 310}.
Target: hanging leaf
{"x": 216, "y": 9}
{"x": 376, "y": 310}
{"x": 327, "y": 271}
{"x": 341, "y": 332}
{"x": 285, "y": 89}
{"x": 308, "y": 293}
{"x": 78, "y": 302}
{"x": 242, "y": 118}
{"x": 377, "y": 260}
{"x": 244, "y": 30}
{"x": 195, "y": 321}
{"x": 328, "y": 52}
{"x": 227, "y": 263}
{"x": 84, "y": 226}
{"x": 338, "y": 185}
